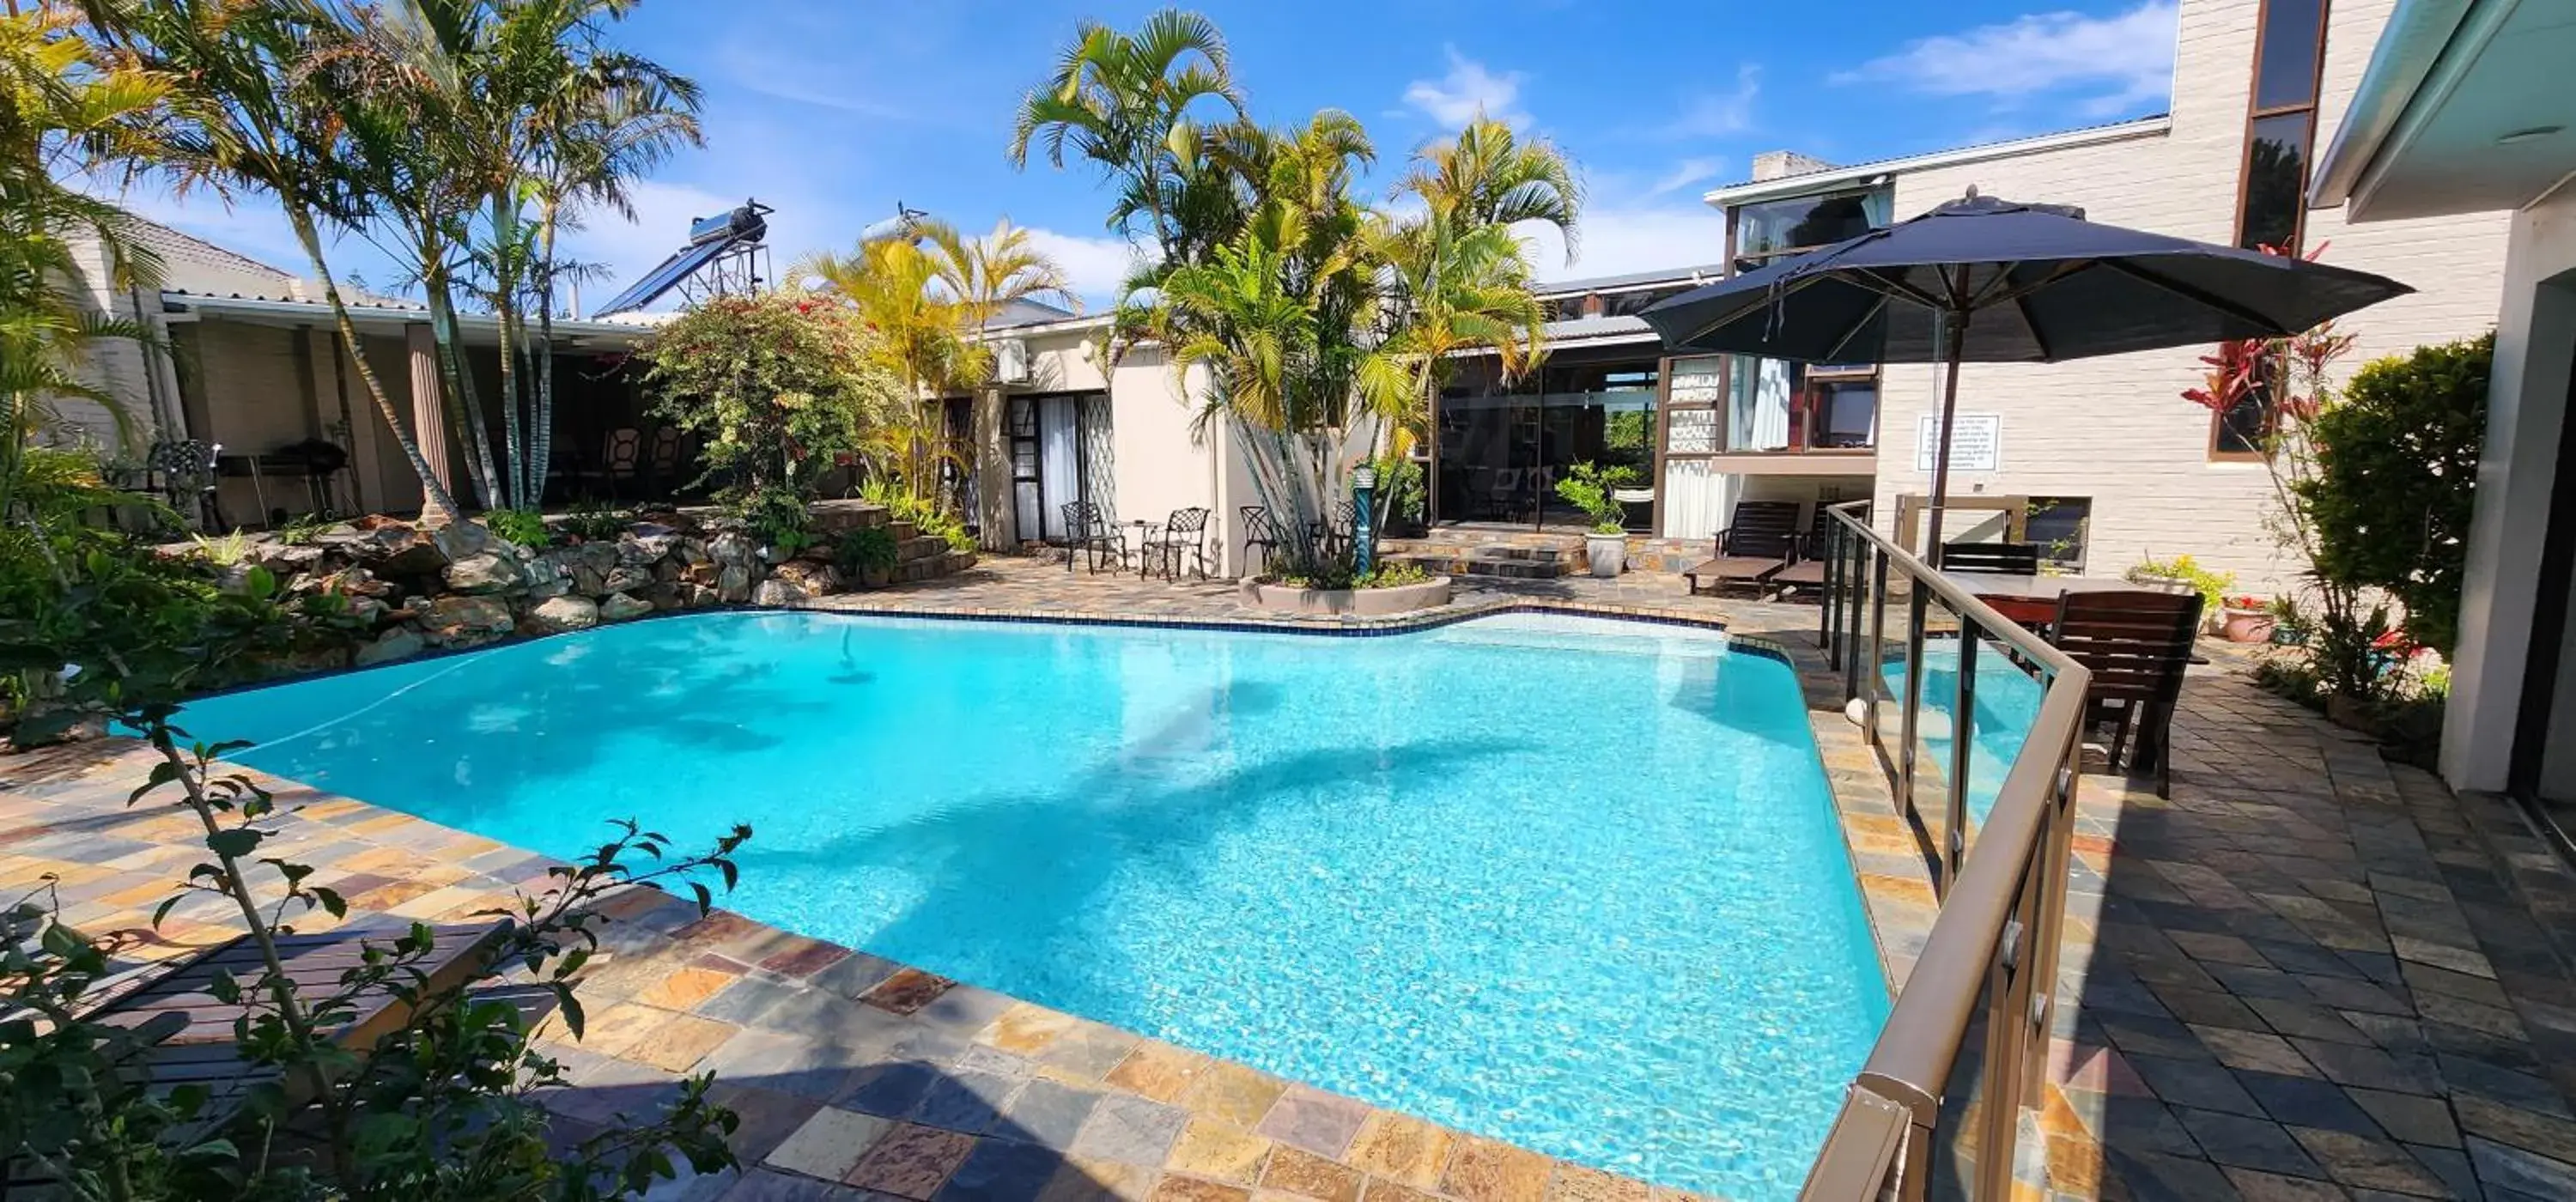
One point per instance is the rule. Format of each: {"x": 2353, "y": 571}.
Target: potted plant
{"x": 2247, "y": 619}
{"x": 2211, "y": 585}
{"x": 1592, "y": 488}
{"x": 2289, "y": 626}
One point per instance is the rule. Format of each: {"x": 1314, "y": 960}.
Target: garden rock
{"x": 733, "y": 583}
{"x": 466, "y": 619}
{"x": 401, "y": 642}
{"x": 623, "y": 579}
{"x": 398, "y": 549}
{"x": 563, "y": 613}
{"x": 456, "y": 540}
{"x": 805, "y": 579}
{"x": 618, "y": 607}
{"x": 485, "y": 572}
{"x": 287, "y": 561}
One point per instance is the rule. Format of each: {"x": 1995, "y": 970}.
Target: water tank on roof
{"x": 743, "y": 222}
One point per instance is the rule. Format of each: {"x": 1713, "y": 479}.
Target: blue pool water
{"x": 2006, "y": 704}
{"x": 1572, "y": 883}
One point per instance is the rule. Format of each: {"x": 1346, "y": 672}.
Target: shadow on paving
{"x": 904, "y": 1130}
{"x": 2307, "y": 978}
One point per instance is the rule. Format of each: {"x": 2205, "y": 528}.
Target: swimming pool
{"x": 1571, "y": 883}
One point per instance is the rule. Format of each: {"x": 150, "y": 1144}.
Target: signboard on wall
{"x": 1977, "y": 447}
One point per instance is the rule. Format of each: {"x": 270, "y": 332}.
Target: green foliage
{"x": 1400, "y": 495}
{"x": 526, "y": 527}
{"x": 2211, "y": 585}
{"x": 1335, "y": 574}
{"x": 2395, "y": 478}
{"x": 924, "y": 514}
{"x": 866, "y": 551}
{"x": 776, "y": 515}
{"x": 777, "y": 386}
{"x": 301, "y": 529}
{"x": 1591, "y": 488}
{"x": 596, "y": 521}
{"x": 448, "y": 1105}
{"x": 136, "y": 626}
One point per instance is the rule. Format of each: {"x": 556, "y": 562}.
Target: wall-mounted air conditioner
{"x": 1011, "y": 361}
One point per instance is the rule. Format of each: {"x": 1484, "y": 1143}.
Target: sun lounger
{"x": 1761, "y": 542}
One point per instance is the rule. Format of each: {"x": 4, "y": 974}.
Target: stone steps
{"x": 1506, "y": 562}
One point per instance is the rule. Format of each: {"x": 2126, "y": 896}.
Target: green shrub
{"x": 1392, "y": 575}
{"x": 1592, "y": 489}
{"x": 776, "y": 515}
{"x": 2395, "y": 480}
{"x": 2211, "y": 585}
{"x": 778, "y": 385}
{"x": 526, "y": 527}
{"x": 596, "y": 521}
{"x": 867, "y": 549}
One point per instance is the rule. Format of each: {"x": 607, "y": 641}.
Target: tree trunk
{"x": 510, "y": 414}
{"x": 541, "y": 436}
{"x": 463, "y": 405}
{"x": 436, "y": 506}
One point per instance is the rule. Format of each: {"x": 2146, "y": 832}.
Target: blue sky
{"x": 832, "y": 112}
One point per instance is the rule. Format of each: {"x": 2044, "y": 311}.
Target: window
{"x": 2279, "y": 123}
{"x": 2056, "y": 525}
{"x": 1845, "y": 414}
{"x": 2244, "y": 430}
{"x": 1775, "y": 227}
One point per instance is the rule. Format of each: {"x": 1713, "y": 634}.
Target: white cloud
{"x": 1717, "y": 114}
{"x": 1096, "y": 266}
{"x": 1684, "y": 174}
{"x": 1633, "y": 236}
{"x": 2123, "y": 60}
{"x": 1467, "y": 90}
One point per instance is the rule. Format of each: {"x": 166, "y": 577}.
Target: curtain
{"x": 1758, "y": 417}
{"x": 1696, "y": 498}
{"x": 1029, "y": 522}
{"x": 1059, "y": 462}
{"x": 1099, "y": 458}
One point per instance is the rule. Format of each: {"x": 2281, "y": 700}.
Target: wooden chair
{"x": 1087, "y": 532}
{"x": 2136, "y": 644}
{"x": 2009, "y": 559}
{"x": 1758, "y": 544}
{"x": 1808, "y": 570}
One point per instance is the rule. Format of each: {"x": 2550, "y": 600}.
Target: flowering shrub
{"x": 777, "y": 385}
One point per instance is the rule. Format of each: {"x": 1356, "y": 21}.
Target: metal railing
{"x": 1983, "y": 764}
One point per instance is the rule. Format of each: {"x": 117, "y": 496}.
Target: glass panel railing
{"x": 1937, "y": 721}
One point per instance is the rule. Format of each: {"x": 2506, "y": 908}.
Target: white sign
{"x": 1977, "y": 447}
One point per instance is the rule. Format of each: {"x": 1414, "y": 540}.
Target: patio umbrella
{"x": 1987, "y": 280}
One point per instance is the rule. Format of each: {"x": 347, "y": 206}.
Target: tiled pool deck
{"x": 2308, "y": 975}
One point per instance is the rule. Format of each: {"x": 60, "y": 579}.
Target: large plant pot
{"x": 2247, "y": 626}
{"x": 1607, "y": 553}
{"x": 1366, "y": 602}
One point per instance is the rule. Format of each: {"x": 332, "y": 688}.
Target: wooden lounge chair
{"x": 2136, "y": 644}
{"x": 1760, "y": 542}
{"x": 202, "y": 1052}
{"x": 2010, "y": 559}
{"x": 1808, "y": 570}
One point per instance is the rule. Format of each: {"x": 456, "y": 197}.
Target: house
{"x": 2464, "y": 107}
{"x": 2101, "y": 459}
{"x": 246, "y": 358}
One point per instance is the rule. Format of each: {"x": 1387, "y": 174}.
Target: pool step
{"x": 1516, "y": 563}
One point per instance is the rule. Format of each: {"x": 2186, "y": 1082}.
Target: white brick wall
{"x": 2116, "y": 429}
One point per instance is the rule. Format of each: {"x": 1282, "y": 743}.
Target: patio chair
{"x": 1087, "y": 532}
{"x": 1332, "y": 536}
{"x": 2137, "y": 644}
{"x": 2007, "y": 559}
{"x": 1186, "y": 531}
{"x": 1808, "y": 570}
{"x": 1258, "y": 531}
{"x": 621, "y": 457}
{"x": 201, "y": 1050}
{"x": 1760, "y": 543}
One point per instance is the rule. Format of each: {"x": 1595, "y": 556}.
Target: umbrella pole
{"x": 1954, "y": 338}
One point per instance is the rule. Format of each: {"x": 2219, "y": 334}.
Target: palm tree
{"x": 1123, "y": 101}
{"x": 1489, "y": 176}
{"x": 58, "y": 105}
{"x": 246, "y": 116}
{"x": 987, "y": 274}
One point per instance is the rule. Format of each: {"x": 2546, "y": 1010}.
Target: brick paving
{"x": 2308, "y": 975}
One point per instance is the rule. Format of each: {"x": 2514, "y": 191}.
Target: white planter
{"x": 1608, "y": 553}
{"x": 1366, "y": 603}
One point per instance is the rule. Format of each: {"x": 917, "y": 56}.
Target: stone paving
{"x": 2309, "y": 974}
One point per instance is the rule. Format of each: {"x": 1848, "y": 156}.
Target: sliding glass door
{"x": 1504, "y": 448}
{"x": 1060, "y": 453}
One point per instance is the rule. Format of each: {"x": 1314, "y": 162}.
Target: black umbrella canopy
{"x": 2036, "y": 283}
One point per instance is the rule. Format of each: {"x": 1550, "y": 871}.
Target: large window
{"x": 1766, "y": 229}
{"x": 2057, "y": 525}
{"x": 2280, "y": 131}
{"x": 2280, "y": 123}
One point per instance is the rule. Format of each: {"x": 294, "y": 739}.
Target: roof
{"x": 1693, "y": 274}
{"x": 1025, "y": 312}
{"x": 1859, "y": 173}
{"x": 2461, "y": 110}
{"x": 379, "y": 312}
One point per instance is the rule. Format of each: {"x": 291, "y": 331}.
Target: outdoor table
{"x": 2031, "y": 600}
{"x": 1144, "y": 532}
